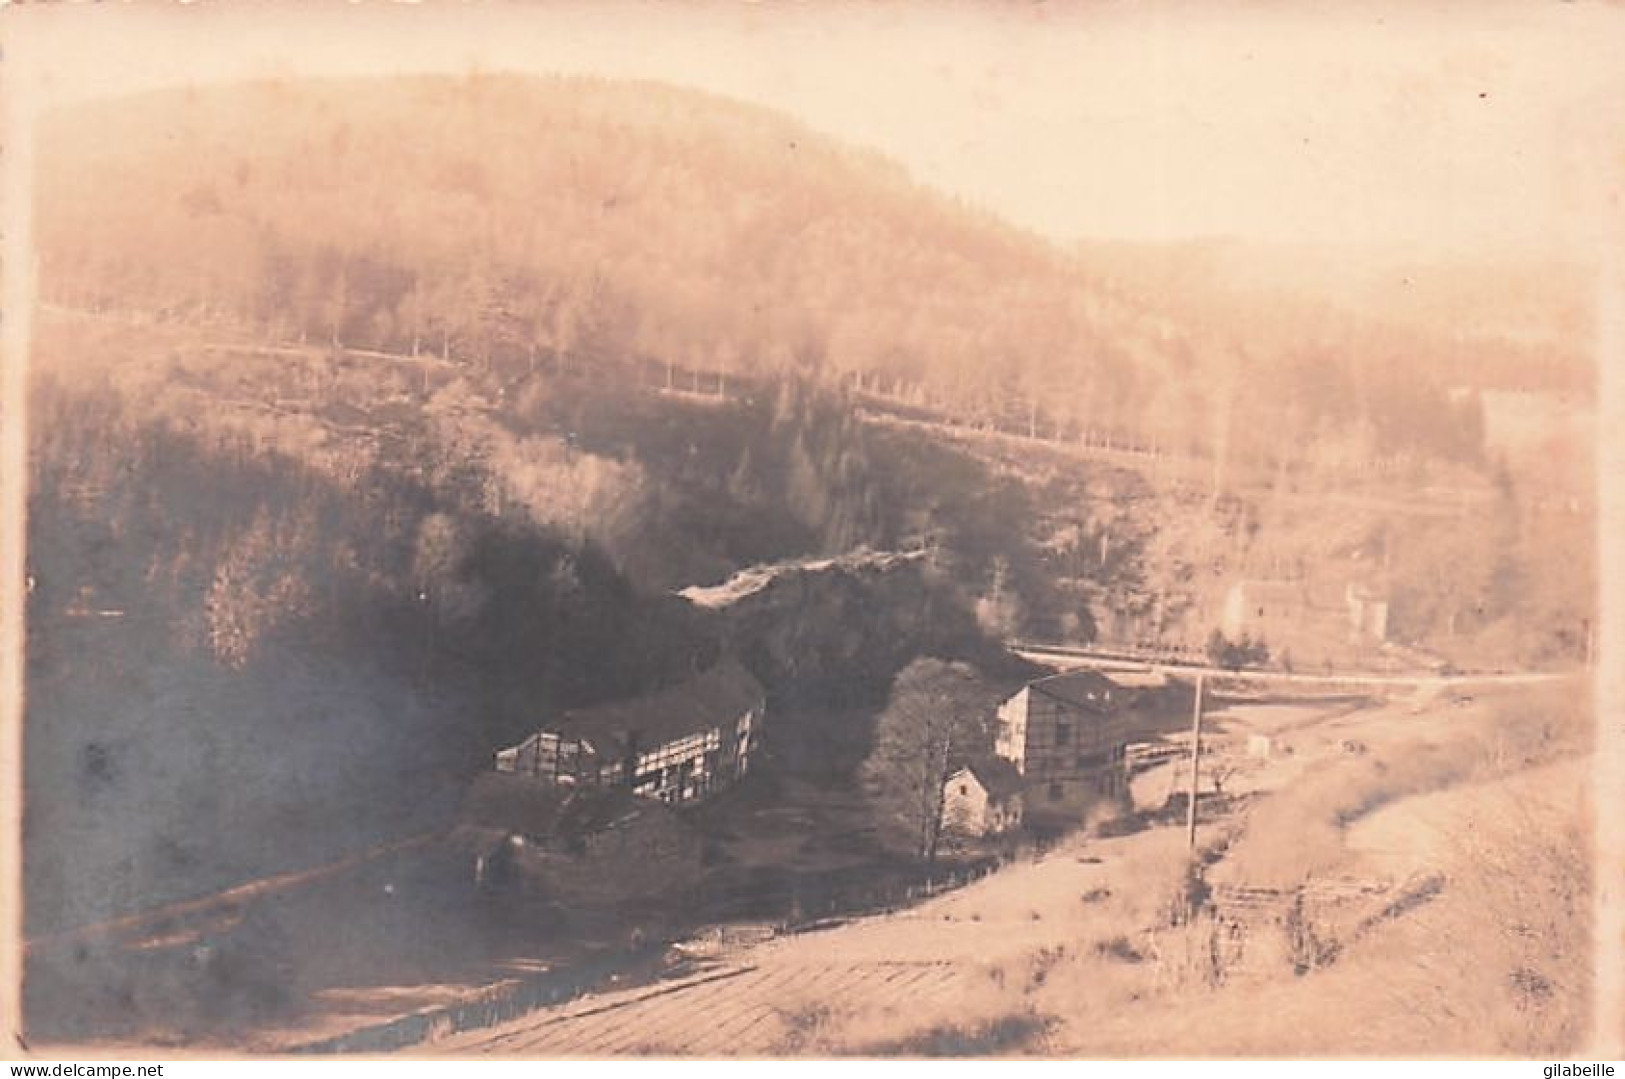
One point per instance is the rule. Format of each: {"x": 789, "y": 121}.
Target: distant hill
{"x": 498, "y": 219}
{"x": 1500, "y": 324}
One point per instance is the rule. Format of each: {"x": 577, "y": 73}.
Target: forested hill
{"x": 494, "y": 214}
{"x": 1498, "y": 322}
{"x": 496, "y": 219}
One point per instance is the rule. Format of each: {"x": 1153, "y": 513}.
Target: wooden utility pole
{"x": 1196, "y": 755}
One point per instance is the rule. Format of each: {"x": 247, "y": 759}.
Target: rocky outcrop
{"x": 840, "y": 628}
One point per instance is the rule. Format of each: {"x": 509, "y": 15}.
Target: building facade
{"x": 1066, "y": 736}
{"x": 983, "y": 798}
{"x": 678, "y": 745}
{"x": 1271, "y": 611}
{"x": 1367, "y": 611}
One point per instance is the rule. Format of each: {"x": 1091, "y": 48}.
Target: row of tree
{"x": 509, "y": 222}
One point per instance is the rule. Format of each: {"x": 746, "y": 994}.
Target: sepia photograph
{"x": 682, "y": 531}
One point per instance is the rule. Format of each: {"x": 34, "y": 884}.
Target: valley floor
{"x": 1391, "y": 880}
{"x": 1401, "y": 878}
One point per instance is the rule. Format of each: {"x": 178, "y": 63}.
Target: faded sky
{"x": 1438, "y": 128}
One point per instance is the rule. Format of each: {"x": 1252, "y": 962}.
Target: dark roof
{"x": 997, "y": 776}
{"x": 525, "y": 805}
{"x": 720, "y": 695}
{"x": 1074, "y": 687}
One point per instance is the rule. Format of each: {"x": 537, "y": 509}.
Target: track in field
{"x": 737, "y": 1011}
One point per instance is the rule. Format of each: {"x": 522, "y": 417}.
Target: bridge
{"x": 1180, "y": 661}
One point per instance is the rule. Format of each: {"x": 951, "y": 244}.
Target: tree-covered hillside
{"x": 505, "y": 222}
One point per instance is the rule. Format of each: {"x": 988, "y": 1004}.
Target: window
{"x": 1055, "y": 792}
{"x": 963, "y": 790}
{"x": 1063, "y": 732}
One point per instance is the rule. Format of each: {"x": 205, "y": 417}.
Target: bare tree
{"x": 939, "y": 715}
